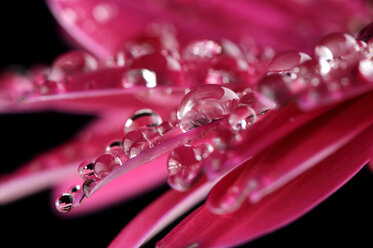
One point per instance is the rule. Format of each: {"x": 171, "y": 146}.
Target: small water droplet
{"x": 366, "y": 34}
{"x": 242, "y": 117}
{"x": 164, "y": 127}
{"x": 88, "y": 186}
{"x": 143, "y": 118}
{"x": 104, "y": 164}
{"x": 74, "y": 189}
{"x": 287, "y": 60}
{"x": 64, "y": 203}
{"x": 183, "y": 167}
{"x": 139, "y": 77}
{"x": 86, "y": 171}
{"x": 205, "y": 104}
{"x": 203, "y": 49}
{"x": 115, "y": 149}
{"x": 71, "y": 63}
{"x": 366, "y": 69}
{"x": 335, "y": 46}
{"x": 202, "y": 151}
{"x": 135, "y": 142}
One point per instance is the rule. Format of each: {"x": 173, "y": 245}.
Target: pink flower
{"x": 263, "y": 138}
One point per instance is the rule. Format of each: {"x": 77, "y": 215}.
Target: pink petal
{"x": 103, "y": 27}
{"x": 159, "y": 214}
{"x": 58, "y": 164}
{"x": 205, "y": 229}
{"x": 133, "y": 183}
{"x": 293, "y": 155}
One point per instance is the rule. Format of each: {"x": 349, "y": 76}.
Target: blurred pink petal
{"x": 159, "y": 214}
{"x": 103, "y": 27}
{"x": 273, "y": 212}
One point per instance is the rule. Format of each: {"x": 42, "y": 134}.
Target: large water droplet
{"x": 205, "y": 104}
{"x": 64, "y": 203}
{"x": 105, "y": 164}
{"x": 183, "y": 167}
{"x": 143, "y": 118}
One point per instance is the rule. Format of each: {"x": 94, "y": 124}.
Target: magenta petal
{"x": 131, "y": 184}
{"x": 94, "y": 101}
{"x": 59, "y": 163}
{"x": 294, "y": 154}
{"x": 299, "y": 196}
{"x": 159, "y": 214}
{"x": 102, "y": 27}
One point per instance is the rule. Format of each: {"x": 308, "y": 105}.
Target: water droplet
{"x": 134, "y": 143}
{"x": 166, "y": 68}
{"x": 71, "y": 63}
{"x": 164, "y": 127}
{"x": 86, "y": 171}
{"x": 202, "y": 151}
{"x": 183, "y": 167}
{"x": 115, "y": 149}
{"x": 139, "y": 77}
{"x": 216, "y": 164}
{"x": 274, "y": 87}
{"x": 366, "y": 69}
{"x": 64, "y": 203}
{"x": 287, "y": 60}
{"x": 232, "y": 198}
{"x": 143, "y": 118}
{"x": 104, "y": 12}
{"x": 256, "y": 101}
{"x": 203, "y": 49}
{"x": 114, "y": 144}
{"x": 335, "y": 46}
{"x": 105, "y": 164}
{"x": 88, "y": 186}
{"x": 205, "y": 104}
{"x": 74, "y": 189}
{"x": 242, "y": 117}
{"x": 156, "y": 39}
{"x": 366, "y": 34}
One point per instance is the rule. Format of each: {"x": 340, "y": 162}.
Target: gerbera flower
{"x": 208, "y": 107}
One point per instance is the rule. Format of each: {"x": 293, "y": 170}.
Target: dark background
{"x": 29, "y": 36}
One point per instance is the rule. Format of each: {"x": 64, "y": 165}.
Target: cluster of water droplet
{"x": 136, "y": 139}
{"x": 341, "y": 65}
{"x": 145, "y": 129}
{"x": 152, "y": 59}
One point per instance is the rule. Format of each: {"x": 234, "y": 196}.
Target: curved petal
{"x": 293, "y": 155}
{"x": 137, "y": 181}
{"x": 205, "y": 229}
{"x": 159, "y": 214}
{"x": 59, "y": 163}
{"x": 103, "y": 27}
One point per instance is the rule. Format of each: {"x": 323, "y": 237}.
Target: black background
{"x": 29, "y": 36}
